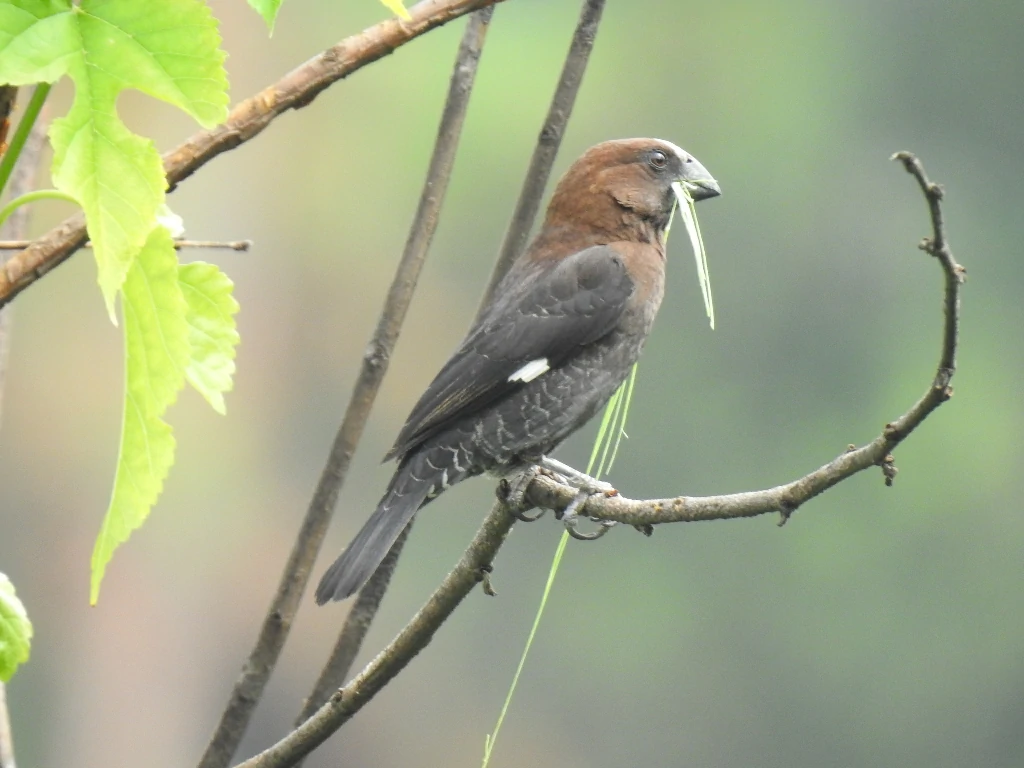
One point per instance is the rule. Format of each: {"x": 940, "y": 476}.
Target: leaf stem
{"x": 31, "y": 197}
{"x": 35, "y": 105}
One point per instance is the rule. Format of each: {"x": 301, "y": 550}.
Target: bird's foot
{"x": 512, "y": 491}
{"x": 586, "y": 486}
{"x": 575, "y": 478}
{"x": 570, "y": 517}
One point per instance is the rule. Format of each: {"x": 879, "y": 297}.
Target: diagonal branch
{"x": 548, "y": 142}
{"x": 353, "y": 631}
{"x": 358, "y": 621}
{"x": 476, "y": 561}
{"x": 232, "y": 245}
{"x": 246, "y": 121}
{"x": 277, "y": 624}
{"x": 363, "y": 611}
{"x": 471, "y": 569}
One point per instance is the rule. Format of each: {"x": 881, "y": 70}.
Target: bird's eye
{"x": 657, "y": 159}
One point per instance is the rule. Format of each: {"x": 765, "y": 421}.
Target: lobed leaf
{"x": 168, "y": 50}
{"x": 212, "y": 332}
{"x": 268, "y": 10}
{"x": 156, "y": 355}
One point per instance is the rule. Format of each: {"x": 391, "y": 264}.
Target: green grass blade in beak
{"x": 689, "y": 216}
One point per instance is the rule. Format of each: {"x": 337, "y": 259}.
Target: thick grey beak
{"x": 698, "y": 182}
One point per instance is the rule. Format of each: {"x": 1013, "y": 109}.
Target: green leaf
{"x": 15, "y": 630}
{"x": 211, "y": 330}
{"x": 268, "y": 10}
{"x": 167, "y": 49}
{"x": 156, "y": 354}
{"x": 397, "y": 8}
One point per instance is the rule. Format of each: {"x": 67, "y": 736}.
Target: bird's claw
{"x": 526, "y": 517}
{"x": 570, "y": 526}
{"x": 512, "y": 491}
{"x": 570, "y": 517}
{"x": 575, "y": 478}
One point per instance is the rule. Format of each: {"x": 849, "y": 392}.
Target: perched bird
{"x": 561, "y": 333}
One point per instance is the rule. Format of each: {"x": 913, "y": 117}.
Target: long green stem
{"x": 613, "y": 424}
{"x": 493, "y": 737}
{"x": 31, "y": 197}
{"x": 609, "y": 436}
{"x": 10, "y": 157}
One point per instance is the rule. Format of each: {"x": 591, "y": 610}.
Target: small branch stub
{"x": 888, "y": 469}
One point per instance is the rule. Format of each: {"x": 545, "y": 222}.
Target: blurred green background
{"x": 881, "y": 627}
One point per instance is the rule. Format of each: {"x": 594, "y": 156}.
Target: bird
{"x": 559, "y": 335}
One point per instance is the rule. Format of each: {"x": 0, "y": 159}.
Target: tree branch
{"x": 6, "y": 737}
{"x": 367, "y": 603}
{"x": 246, "y": 121}
{"x": 546, "y": 492}
{"x": 548, "y": 142}
{"x": 359, "y": 619}
{"x": 472, "y": 568}
{"x": 277, "y": 624}
{"x": 233, "y": 245}
{"x": 353, "y": 632}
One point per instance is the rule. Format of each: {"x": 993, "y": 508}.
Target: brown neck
{"x": 573, "y": 224}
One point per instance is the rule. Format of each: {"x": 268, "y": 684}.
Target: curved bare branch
{"x": 785, "y": 499}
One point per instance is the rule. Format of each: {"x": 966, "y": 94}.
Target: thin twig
{"x": 471, "y": 569}
{"x": 277, "y": 624}
{"x": 357, "y": 624}
{"x": 21, "y": 181}
{"x": 548, "y": 142}
{"x": 247, "y": 120}
{"x": 6, "y": 737}
{"x": 233, "y": 245}
{"x": 544, "y": 491}
{"x": 358, "y": 621}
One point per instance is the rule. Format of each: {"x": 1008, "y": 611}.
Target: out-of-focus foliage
{"x": 880, "y": 626}
{"x": 15, "y": 630}
{"x": 168, "y": 50}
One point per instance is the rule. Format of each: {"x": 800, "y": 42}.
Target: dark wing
{"x": 545, "y": 317}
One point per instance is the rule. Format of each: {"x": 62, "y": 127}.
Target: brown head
{"x": 622, "y": 191}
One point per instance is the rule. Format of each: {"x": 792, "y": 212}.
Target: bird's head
{"x": 625, "y": 187}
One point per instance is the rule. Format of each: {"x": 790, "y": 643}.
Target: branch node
{"x": 376, "y": 355}
{"x": 850, "y": 448}
{"x": 786, "y": 509}
{"x": 647, "y": 529}
{"x": 889, "y": 469}
{"x": 483, "y": 575}
{"x": 890, "y": 432}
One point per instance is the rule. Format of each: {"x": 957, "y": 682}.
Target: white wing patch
{"x": 531, "y": 370}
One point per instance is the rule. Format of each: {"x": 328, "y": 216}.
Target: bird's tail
{"x": 420, "y": 478}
